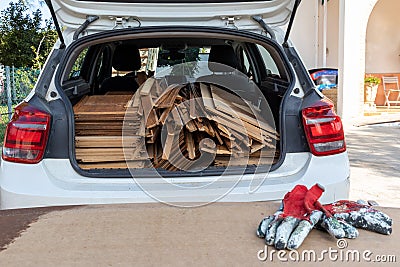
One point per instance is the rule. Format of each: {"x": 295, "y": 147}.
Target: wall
{"x": 353, "y": 20}
{"x": 332, "y": 55}
{"x": 305, "y": 33}
{"x": 383, "y": 38}
{"x": 308, "y": 29}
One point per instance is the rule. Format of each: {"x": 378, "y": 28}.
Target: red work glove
{"x": 291, "y": 224}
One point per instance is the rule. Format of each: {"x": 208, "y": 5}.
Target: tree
{"x": 23, "y": 39}
{"x": 48, "y": 37}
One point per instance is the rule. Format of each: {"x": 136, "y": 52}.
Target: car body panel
{"x": 54, "y": 182}
{"x": 116, "y": 14}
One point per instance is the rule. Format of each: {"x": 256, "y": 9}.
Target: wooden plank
{"x": 151, "y": 119}
{"x": 206, "y": 96}
{"x": 191, "y": 126}
{"x": 118, "y": 93}
{"x": 233, "y": 123}
{"x": 256, "y": 147}
{"x": 80, "y": 103}
{"x": 224, "y": 102}
{"x": 147, "y": 86}
{"x": 221, "y": 150}
{"x": 192, "y": 104}
{"x": 106, "y": 141}
{"x": 158, "y": 88}
{"x": 222, "y": 97}
{"x": 209, "y": 129}
{"x": 139, "y": 164}
{"x": 167, "y": 99}
{"x": 103, "y": 104}
{"x": 98, "y": 133}
{"x": 135, "y": 101}
{"x": 168, "y": 142}
{"x": 190, "y": 145}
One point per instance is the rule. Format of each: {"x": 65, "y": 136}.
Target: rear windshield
{"x": 186, "y": 60}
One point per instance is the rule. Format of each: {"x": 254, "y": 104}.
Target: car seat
{"x": 126, "y": 58}
{"x": 223, "y": 62}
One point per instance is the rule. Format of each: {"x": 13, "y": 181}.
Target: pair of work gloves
{"x": 301, "y": 211}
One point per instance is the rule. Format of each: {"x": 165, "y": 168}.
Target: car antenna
{"x": 58, "y": 29}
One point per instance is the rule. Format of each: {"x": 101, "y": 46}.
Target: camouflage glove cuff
{"x": 361, "y": 216}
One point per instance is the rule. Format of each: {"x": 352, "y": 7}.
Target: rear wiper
{"x": 88, "y": 21}
{"x": 264, "y": 25}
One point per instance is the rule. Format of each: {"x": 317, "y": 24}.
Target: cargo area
{"x": 181, "y": 127}
{"x": 192, "y": 108}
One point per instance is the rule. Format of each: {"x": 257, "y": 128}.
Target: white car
{"x": 68, "y": 143}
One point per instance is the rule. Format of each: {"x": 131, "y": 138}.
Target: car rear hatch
{"x": 112, "y": 14}
{"x": 74, "y": 16}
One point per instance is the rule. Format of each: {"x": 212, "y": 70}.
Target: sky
{"x": 44, "y": 9}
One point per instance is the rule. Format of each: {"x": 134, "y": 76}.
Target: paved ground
{"x": 374, "y": 153}
{"x": 221, "y": 234}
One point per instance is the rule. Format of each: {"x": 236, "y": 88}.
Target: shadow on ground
{"x": 376, "y": 148}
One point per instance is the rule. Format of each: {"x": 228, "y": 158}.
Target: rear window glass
{"x": 269, "y": 62}
{"x": 181, "y": 59}
{"x": 77, "y": 66}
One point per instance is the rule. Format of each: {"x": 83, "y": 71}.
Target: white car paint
{"x": 55, "y": 182}
{"x": 72, "y": 13}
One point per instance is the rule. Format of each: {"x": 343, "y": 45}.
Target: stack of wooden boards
{"x": 99, "y": 121}
{"x": 176, "y": 127}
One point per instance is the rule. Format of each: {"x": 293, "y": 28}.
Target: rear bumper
{"x": 54, "y": 182}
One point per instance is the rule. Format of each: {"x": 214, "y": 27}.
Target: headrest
{"x": 126, "y": 58}
{"x": 222, "y": 54}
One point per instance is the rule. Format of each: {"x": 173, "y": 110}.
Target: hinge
{"x": 125, "y": 22}
{"x": 230, "y": 21}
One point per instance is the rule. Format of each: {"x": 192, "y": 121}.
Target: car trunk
{"x": 192, "y": 111}
{"x": 189, "y": 127}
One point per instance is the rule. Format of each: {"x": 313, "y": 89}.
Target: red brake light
{"x": 324, "y": 129}
{"x": 26, "y": 135}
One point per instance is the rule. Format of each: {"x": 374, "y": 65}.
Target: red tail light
{"x": 26, "y": 135}
{"x": 324, "y": 129}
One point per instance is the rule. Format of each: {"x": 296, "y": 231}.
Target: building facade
{"x": 358, "y": 37}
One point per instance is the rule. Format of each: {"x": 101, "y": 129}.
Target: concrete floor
{"x": 220, "y": 234}
{"x": 374, "y": 153}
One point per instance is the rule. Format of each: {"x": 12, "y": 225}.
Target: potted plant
{"x": 371, "y": 88}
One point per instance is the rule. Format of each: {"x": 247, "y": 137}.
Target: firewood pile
{"x": 176, "y": 127}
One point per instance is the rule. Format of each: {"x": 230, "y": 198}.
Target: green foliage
{"x": 372, "y": 80}
{"x": 23, "y": 82}
{"x": 24, "y": 41}
{"x": 48, "y": 36}
{"x": 25, "y": 79}
{"x": 76, "y": 68}
{"x": 3, "y": 122}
